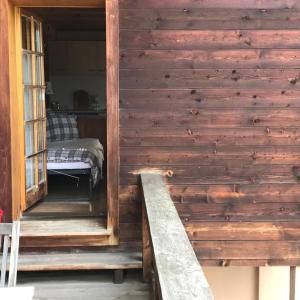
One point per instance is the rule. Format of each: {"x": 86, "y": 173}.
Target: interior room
{"x": 73, "y": 60}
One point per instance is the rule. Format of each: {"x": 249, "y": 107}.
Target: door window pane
{"x": 41, "y": 139}
{"x": 38, "y": 70}
{"x": 28, "y": 104}
{"x": 41, "y": 170}
{"x": 29, "y": 173}
{"x": 37, "y": 36}
{"x": 26, "y": 33}
{"x": 27, "y": 69}
{"x": 40, "y": 102}
{"x": 29, "y": 139}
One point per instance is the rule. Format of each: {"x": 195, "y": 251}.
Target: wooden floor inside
{"x": 68, "y": 197}
{"x": 85, "y": 285}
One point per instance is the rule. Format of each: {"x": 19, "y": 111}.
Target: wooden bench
{"x": 168, "y": 257}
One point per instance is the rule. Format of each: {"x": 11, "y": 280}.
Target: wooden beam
{"x": 147, "y": 252}
{"x": 5, "y": 140}
{"x": 179, "y": 274}
{"x": 59, "y": 3}
{"x": 113, "y": 149}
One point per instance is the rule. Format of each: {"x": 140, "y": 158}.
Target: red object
{"x": 1, "y": 213}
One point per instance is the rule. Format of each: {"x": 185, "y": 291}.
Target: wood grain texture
{"x": 209, "y": 39}
{"x": 112, "y": 90}
{"x": 5, "y": 139}
{"x": 188, "y": 18}
{"x": 79, "y": 260}
{"x": 228, "y": 4}
{"x": 209, "y": 97}
{"x": 179, "y": 274}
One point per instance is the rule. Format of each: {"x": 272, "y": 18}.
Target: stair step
{"x": 80, "y": 260}
{"x": 64, "y": 228}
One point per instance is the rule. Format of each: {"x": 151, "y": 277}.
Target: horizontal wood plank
{"x": 185, "y": 4}
{"x": 218, "y": 193}
{"x": 235, "y": 211}
{"x": 197, "y": 59}
{"x": 213, "y": 155}
{"x": 195, "y": 135}
{"x": 80, "y": 260}
{"x": 208, "y": 98}
{"x": 200, "y": 19}
{"x": 209, "y": 39}
{"x": 284, "y": 250}
{"x": 211, "y": 118}
{"x": 198, "y": 174}
{"x": 243, "y": 231}
{"x": 210, "y": 78}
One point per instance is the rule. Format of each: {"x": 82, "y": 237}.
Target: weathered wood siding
{"x": 210, "y": 91}
{"x": 5, "y": 146}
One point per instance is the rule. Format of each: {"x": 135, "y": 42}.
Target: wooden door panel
{"x": 34, "y": 109}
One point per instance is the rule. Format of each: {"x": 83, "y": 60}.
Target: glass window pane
{"x": 37, "y": 36}
{"x": 29, "y": 139}
{"x": 38, "y": 70}
{"x": 28, "y": 104}
{"x": 26, "y": 33}
{"x": 30, "y": 173}
{"x": 27, "y": 69}
{"x": 41, "y": 102}
{"x": 41, "y": 171}
{"x": 41, "y": 136}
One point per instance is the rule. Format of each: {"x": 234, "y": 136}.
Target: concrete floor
{"x": 87, "y": 285}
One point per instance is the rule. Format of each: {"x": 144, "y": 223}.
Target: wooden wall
{"x": 210, "y": 91}
{"x": 5, "y": 147}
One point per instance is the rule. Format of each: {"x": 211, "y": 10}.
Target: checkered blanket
{"x": 89, "y": 151}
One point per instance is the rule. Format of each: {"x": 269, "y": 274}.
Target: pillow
{"x": 61, "y": 127}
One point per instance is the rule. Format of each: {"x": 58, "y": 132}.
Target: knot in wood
{"x": 194, "y": 112}
{"x": 254, "y": 155}
{"x": 255, "y": 120}
{"x": 296, "y": 171}
{"x": 246, "y": 18}
{"x": 170, "y": 173}
{"x": 189, "y": 131}
{"x": 293, "y": 80}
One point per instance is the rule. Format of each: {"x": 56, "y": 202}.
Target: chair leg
{"x": 118, "y": 276}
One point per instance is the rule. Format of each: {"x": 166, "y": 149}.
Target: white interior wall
{"x": 249, "y": 283}
{"x": 65, "y": 85}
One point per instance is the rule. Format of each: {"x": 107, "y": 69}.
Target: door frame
{"x": 12, "y": 11}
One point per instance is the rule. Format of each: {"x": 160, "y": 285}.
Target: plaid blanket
{"x": 89, "y": 151}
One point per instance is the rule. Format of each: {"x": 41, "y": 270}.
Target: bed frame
{"x": 72, "y": 173}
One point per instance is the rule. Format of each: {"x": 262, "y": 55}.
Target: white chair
{"x": 9, "y": 239}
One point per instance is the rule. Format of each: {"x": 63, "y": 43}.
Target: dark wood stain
{"x": 209, "y": 93}
{"x": 5, "y": 148}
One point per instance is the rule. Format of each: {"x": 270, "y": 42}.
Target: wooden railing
{"x": 169, "y": 260}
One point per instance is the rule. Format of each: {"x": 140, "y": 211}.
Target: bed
{"x": 69, "y": 155}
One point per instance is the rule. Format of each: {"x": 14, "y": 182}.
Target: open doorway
{"x": 64, "y": 84}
